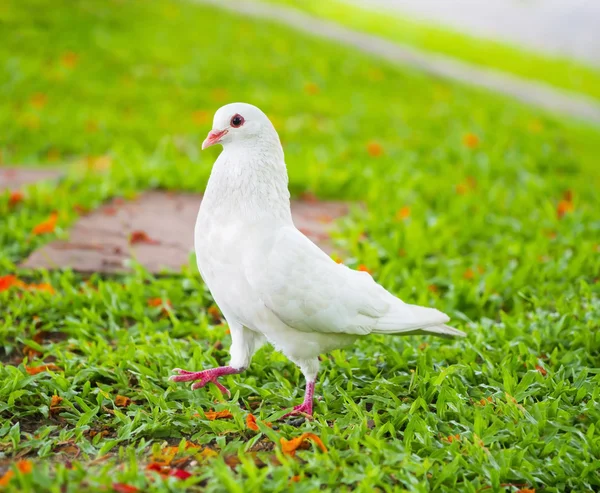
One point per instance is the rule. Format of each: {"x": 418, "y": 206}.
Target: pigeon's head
{"x": 237, "y": 122}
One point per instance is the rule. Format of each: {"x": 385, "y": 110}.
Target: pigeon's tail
{"x": 442, "y": 331}
{"x": 405, "y": 319}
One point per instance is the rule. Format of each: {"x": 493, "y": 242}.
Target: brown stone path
{"x": 13, "y": 178}
{"x": 156, "y": 229}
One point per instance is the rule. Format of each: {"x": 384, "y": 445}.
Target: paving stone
{"x": 156, "y": 229}
{"x": 13, "y": 178}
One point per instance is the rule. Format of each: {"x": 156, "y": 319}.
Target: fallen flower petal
{"x": 156, "y": 302}
{"x": 290, "y": 446}
{"x": 374, "y": 149}
{"x": 363, "y": 268}
{"x": 403, "y": 213}
{"x": 124, "y": 488}
{"x": 70, "y": 59}
{"x": 208, "y": 452}
{"x": 563, "y": 207}
{"x": 7, "y": 282}
{"x": 55, "y": 403}
{"x": 215, "y": 313}
{"x": 24, "y": 467}
{"x": 141, "y": 237}
{"x": 122, "y": 401}
{"x": 311, "y": 88}
{"x": 5, "y": 479}
{"x": 251, "y": 423}
{"x": 39, "y": 369}
{"x": 15, "y": 198}
{"x": 180, "y": 473}
{"x": 452, "y": 438}
{"x": 212, "y": 415}
{"x": 470, "y": 140}
{"x": 159, "y": 467}
{"x": 541, "y": 370}
{"x": 46, "y": 226}
{"x": 44, "y": 286}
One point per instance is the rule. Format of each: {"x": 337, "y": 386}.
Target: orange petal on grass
{"x": 363, "y": 268}
{"x": 155, "y": 302}
{"x": 311, "y": 88}
{"x": 179, "y": 473}
{"x": 470, "y": 140}
{"x": 215, "y": 313}
{"x": 452, "y": 438}
{"x": 141, "y": 237}
{"x": 24, "y": 467}
{"x": 5, "y": 479}
{"x": 55, "y": 403}
{"x": 38, "y": 100}
{"x": 44, "y": 286}
{"x": 124, "y": 488}
{"x": 46, "y": 226}
{"x": 122, "y": 401}
{"x": 541, "y": 369}
{"x": 69, "y": 59}
{"x": 290, "y": 446}
{"x": 9, "y": 281}
{"x": 251, "y": 423}
{"x": 159, "y": 467}
{"x": 212, "y": 415}
{"x": 374, "y": 149}
{"x": 295, "y": 479}
{"x": 563, "y": 207}
{"x": 403, "y": 213}
{"x": 15, "y": 198}
{"x": 98, "y": 163}
{"x": 34, "y": 370}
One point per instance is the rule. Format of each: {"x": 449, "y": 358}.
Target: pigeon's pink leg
{"x": 205, "y": 376}
{"x": 306, "y": 407}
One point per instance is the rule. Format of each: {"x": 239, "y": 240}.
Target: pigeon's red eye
{"x": 237, "y": 121}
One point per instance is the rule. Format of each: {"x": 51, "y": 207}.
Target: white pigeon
{"x": 270, "y": 281}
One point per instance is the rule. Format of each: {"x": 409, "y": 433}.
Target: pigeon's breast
{"x": 219, "y": 249}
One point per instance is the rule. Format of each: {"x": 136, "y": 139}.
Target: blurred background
{"x": 554, "y": 27}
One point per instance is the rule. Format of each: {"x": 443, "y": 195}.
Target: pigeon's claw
{"x": 201, "y": 378}
{"x": 304, "y": 409}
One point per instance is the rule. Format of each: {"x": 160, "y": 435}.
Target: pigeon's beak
{"x": 213, "y": 137}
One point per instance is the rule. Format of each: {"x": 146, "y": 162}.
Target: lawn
{"x": 553, "y": 70}
{"x": 477, "y": 205}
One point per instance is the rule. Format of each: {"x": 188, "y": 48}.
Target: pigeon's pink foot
{"x": 205, "y": 376}
{"x": 306, "y": 408}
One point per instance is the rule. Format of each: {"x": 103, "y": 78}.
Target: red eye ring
{"x": 237, "y": 120}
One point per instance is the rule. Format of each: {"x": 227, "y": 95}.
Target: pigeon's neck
{"x": 250, "y": 183}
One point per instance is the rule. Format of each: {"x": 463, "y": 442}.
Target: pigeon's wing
{"x": 310, "y": 292}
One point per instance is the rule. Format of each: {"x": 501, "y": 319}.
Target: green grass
{"x": 554, "y": 70}
{"x": 140, "y": 85}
